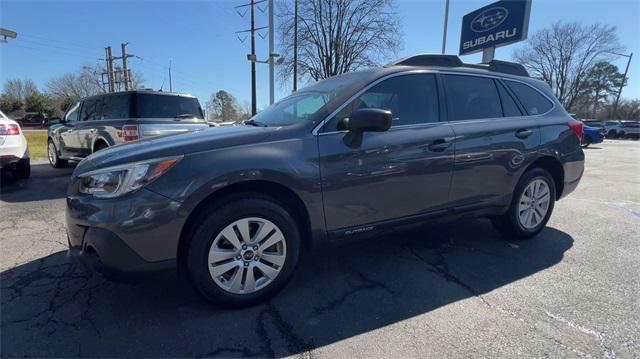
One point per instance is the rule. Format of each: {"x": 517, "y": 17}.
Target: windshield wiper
{"x": 252, "y": 122}
{"x": 185, "y": 115}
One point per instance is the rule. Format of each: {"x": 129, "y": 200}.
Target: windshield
{"x": 166, "y": 106}
{"x": 300, "y": 106}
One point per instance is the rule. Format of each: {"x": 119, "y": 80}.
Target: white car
{"x": 14, "y": 151}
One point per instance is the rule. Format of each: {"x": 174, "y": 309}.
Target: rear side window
{"x": 534, "y": 103}
{"x": 472, "y": 97}
{"x": 166, "y": 106}
{"x": 89, "y": 107}
{"x": 412, "y": 99}
{"x": 116, "y": 106}
{"x": 509, "y": 106}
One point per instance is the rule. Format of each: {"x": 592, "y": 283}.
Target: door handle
{"x": 523, "y": 133}
{"x": 439, "y": 145}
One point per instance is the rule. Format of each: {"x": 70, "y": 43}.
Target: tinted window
{"x": 166, "y": 106}
{"x": 72, "y": 113}
{"x": 116, "y": 106}
{"x": 472, "y": 97}
{"x": 531, "y": 99}
{"x": 509, "y": 107}
{"x": 412, "y": 99}
{"x": 88, "y": 112}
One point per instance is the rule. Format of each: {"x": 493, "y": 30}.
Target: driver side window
{"x": 412, "y": 99}
{"x": 72, "y": 114}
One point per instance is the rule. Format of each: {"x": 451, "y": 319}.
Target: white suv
{"x": 14, "y": 151}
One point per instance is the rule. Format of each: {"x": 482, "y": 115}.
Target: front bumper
{"x": 124, "y": 238}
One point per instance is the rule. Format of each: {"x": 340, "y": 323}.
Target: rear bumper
{"x": 11, "y": 162}
{"x": 573, "y": 166}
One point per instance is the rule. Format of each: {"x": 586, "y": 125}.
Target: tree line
{"x": 23, "y": 95}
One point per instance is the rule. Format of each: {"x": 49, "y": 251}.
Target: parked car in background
{"x": 424, "y": 138}
{"x": 614, "y": 129}
{"x": 105, "y": 120}
{"x": 14, "y": 150}
{"x": 631, "y": 129}
{"x": 592, "y": 135}
{"x": 33, "y": 120}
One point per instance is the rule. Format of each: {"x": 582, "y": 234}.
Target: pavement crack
{"x": 599, "y": 336}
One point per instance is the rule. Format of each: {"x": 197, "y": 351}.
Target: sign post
{"x": 498, "y": 24}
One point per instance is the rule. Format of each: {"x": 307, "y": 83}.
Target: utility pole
{"x": 271, "y": 53}
{"x": 125, "y": 69}
{"x": 624, "y": 80}
{"x": 110, "y": 74}
{"x": 295, "y": 46}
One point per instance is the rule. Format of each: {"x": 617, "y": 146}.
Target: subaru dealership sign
{"x": 498, "y": 24}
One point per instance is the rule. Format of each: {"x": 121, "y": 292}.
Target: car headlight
{"x": 115, "y": 181}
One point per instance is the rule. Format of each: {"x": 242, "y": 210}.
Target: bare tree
{"x": 562, "y": 54}
{"x": 20, "y": 89}
{"x": 338, "y": 36}
{"x": 223, "y": 106}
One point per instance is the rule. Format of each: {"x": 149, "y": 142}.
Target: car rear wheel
{"x": 52, "y": 154}
{"x": 243, "y": 252}
{"x": 531, "y": 206}
{"x": 22, "y": 169}
{"x": 100, "y": 146}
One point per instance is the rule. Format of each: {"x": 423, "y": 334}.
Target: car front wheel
{"x": 243, "y": 252}
{"x": 531, "y": 206}
{"x": 52, "y": 154}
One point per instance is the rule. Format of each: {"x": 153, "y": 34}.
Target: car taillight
{"x": 130, "y": 133}
{"x": 576, "y": 127}
{"x": 9, "y": 129}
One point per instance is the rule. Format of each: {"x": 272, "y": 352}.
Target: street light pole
{"x": 271, "y": 57}
{"x": 624, "y": 80}
{"x": 446, "y": 20}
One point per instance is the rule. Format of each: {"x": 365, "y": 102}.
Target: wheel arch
{"x": 263, "y": 188}
{"x": 554, "y": 167}
{"x": 100, "y": 139}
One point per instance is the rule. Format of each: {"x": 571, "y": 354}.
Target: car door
{"x": 67, "y": 138}
{"x": 89, "y": 120}
{"x": 493, "y": 140}
{"x": 400, "y": 173}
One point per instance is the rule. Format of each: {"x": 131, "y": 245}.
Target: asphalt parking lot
{"x": 456, "y": 290}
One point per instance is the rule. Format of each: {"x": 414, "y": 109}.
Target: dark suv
{"x": 424, "y": 138}
{"x": 109, "y": 119}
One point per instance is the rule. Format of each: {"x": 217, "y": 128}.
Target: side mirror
{"x": 367, "y": 120}
{"x": 55, "y": 121}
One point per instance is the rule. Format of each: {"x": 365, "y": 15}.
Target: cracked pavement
{"x": 454, "y": 290}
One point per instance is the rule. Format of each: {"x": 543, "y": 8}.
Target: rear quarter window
{"x": 472, "y": 97}
{"x": 533, "y": 101}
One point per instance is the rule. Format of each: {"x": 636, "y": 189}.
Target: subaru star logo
{"x": 489, "y": 19}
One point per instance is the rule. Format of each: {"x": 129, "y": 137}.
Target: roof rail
{"x": 505, "y": 67}
{"x": 428, "y": 60}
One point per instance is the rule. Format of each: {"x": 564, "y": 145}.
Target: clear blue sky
{"x": 56, "y": 37}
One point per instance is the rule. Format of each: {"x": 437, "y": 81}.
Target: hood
{"x": 173, "y": 145}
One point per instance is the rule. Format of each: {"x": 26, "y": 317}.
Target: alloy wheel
{"x": 534, "y": 204}
{"x": 247, "y": 255}
{"x": 52, "y": 153}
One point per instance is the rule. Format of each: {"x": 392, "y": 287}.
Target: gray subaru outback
{"x": 424, "y": 138}
{"x": 105, "y": 120}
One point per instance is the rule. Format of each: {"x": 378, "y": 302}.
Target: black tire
{"x": 52, "y": 155}
{"x": 586, "y": 141}
{"x": 23, "y": 169}
{"x": 100, "y": 146}
{"x": 213, "y": 222}
{"x": 509, "y": 224}
{"x": 612, "y": 134}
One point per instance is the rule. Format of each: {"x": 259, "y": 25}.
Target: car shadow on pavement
{"x": 53, "y": 309}
{"x": 45, "y": 183}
